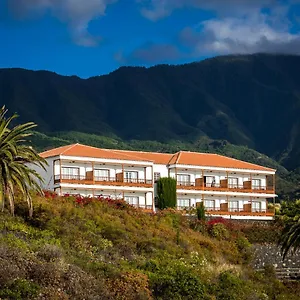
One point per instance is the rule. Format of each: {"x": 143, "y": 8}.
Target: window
{"x": 256, "y": 206}
{"x": 233, "y": 182}
{"x": 156, "y": 176}
{"x": 130, "y": 176}
{"x": 183, "y": 203}
{"x": 70, "y": 173}
{"x": 183, "y": 179}
{"x": 256, "y": 184}
{"x": 101, "y": 174}
{"x": 132, "y": 200}
{"x": 209, "y": 204}
{"x": 210, "y": 181}
{"x": 233, "y": 205}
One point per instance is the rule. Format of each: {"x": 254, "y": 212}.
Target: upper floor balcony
{"x": 121, "y": 179}
{"x": 227, "y": 185}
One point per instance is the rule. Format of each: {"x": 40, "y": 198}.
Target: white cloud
{"x": 158, "y": 9}
{"x": 248, "y": 34}
{"x": 76, "y": 13}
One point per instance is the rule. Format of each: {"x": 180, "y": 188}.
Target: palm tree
{"x": 290, "y": 237}
{"x": 16, "y": 176}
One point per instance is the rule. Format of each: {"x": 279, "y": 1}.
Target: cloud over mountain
{"x": 77, "y": 14}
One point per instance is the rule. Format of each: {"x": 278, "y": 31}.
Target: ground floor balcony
{"x": 118, "y": 180}
{"x": 138, "y": 199}
{"x": 240, "y": 212}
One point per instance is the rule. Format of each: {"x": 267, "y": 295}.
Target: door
{"x": 209, "y": 181}
{"x": 183, "y": 179}
{"x": 70, "y": 173}
{"x": 256, "y": 184}
{"x": 132, "y": 200}
{"x": 233, "y": 182}
{"x": 131, "y": 176}
{"x": 233, "y": 206}
{"x": 101, "y": 175}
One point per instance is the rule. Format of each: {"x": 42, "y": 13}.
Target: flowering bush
{"x": 49, "y": 194}
{"x": 85, "y": 200}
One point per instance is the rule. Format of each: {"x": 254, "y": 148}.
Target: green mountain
{"x": 247, "y": 100}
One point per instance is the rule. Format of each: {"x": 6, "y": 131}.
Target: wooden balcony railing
{"x": 71, "y": 179}
{"x": 241, "y": 212}
{"x": 105, "y": 180}
{"x": 223, "y": 186}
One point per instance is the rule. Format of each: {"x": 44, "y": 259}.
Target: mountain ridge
{"x": 251, "y": 100}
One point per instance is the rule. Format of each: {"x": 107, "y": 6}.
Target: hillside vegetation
{"x": 82, "y": 248}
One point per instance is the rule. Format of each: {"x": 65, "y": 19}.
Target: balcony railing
{"x": 192, "y": 185}
{"x": 241, "y": 212}
{"x": 136, "y": 180}
{"x": 101, "y": 180}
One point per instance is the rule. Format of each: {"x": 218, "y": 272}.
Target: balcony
{"x": 247, "y": 210}
{"x": 241, "y": 212}
{"x": 119, "y": 180}
{"x": 224, "y": 186}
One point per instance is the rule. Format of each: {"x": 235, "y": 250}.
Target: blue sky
{"x": 94, "y": 37}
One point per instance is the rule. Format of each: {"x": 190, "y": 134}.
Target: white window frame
{"x": 209, "y": 204}
{"x": 102, "y": 176}
{"x": 233, "y": 206}
{"x": 72, "y": 172}
{"x": 256, "y": 184}
{"x": 183, "y": 179}
{"x": 210, "y": 181}
{"x": 183, "y": 203}
{"x": 132, "y": 200}
{"x": 256, "y": 206}
{"x": 131, "y": 178}
{"x": 233, "y": 182}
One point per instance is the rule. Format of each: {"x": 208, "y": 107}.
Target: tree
{"x": 166, "y": 192}
{"x": 201, "y": 211}
{"x": 15, "y": 155}
{"x": 290, "y": 237}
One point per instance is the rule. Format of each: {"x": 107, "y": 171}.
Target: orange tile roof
{"x": 181, "y": 157}
{"x": 213, "y": 160}
{"x": 88, "y": 151}
{"x": 156, "y": 157}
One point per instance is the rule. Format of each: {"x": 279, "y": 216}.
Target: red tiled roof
{"x": 88, "y": 151}
{"x": 181, "y": 157}
{"x": 158, "y": 158}
{"x": 213, "y": 160}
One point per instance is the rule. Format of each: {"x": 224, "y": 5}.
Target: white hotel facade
{"x": 228, "y": 187}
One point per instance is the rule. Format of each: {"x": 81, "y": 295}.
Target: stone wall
{"x": 269, "y": 254}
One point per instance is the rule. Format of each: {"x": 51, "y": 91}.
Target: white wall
{"x": 47, "y": 174}
{"x": 162, "y": 169}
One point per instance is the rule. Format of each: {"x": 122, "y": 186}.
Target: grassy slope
{"x": 103, "y": 252}
{"x": 286, "y": 182}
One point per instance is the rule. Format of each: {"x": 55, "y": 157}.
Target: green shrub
{"x": 166, "y": 192}
{"x": 176, "y": 281}
{"x": 244, "y": 248}
{"x": 20, "y": 289}
{"x": 219, "y": 231}
{"x": 230, "y": 287}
